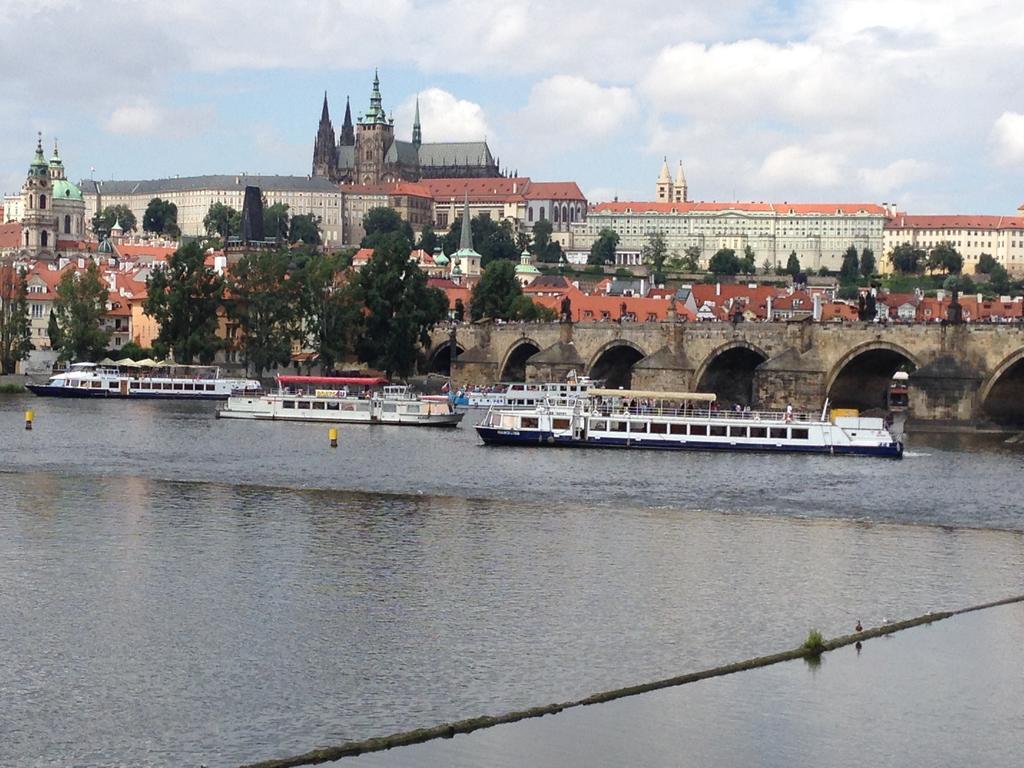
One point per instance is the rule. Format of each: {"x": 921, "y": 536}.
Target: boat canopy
{"x": 654, "y": 395}
{"x": 337, "y": 381}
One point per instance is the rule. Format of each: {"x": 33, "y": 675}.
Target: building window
{"x": 529, "y": 214}
{"x": 42, "y": 202}
{"x": 67, "y": 225}
{"x": 44, "y": 238}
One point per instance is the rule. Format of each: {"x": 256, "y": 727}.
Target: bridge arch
{"x": 1001, "y": 396}
{"x": 729, "y": 371}
{"x": 861, "y": 377}
{"x": 513, "y": 367}
{"x": 440, "y": 358}
{"x": 614, "y": 362}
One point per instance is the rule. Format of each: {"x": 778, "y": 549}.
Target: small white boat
{"x": 684, "y": 421}
{"x": 143, "y": 380}
{"x": 343, "y": 399}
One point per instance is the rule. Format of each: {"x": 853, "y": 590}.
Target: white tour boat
{"x": 522, "y": 394}
{"x": 343, "y": 399}
{"x": 143, "y": 379}
{"x": 684, "y": 421}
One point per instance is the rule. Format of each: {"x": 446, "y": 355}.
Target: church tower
{"x": 664, "y": 185}
{"x": 374, "y": 138}
{"x": 417, "y": 134}
{"x": 348, "y": 134}
{"x": 325, "y": 155}
{"x": 679, "y": 187}
{"x": 38, "y": 226}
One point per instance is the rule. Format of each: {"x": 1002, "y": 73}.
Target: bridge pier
{"x": 944, "y": 392}
{"x": 790, "y": 378}
{"x": 556, "y": 362}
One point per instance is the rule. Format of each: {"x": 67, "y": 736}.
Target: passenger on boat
{"x": 789, "y": 413}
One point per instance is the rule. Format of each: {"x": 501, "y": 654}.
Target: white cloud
{"x": 894, "y": 177}
{"x": 137, "y": 119}
{"x": 568, "y": 106}
{"x": 1008, "y": 137}
{"x": 801, "y": 167}
{"x": 444, "y": 117}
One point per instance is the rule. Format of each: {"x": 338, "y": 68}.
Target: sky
{"x": 913, "y": 102}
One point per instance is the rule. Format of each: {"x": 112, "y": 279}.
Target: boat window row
{"x": 174, "y": 386}
{"x": 323, "y": 405}
{"x": 694, "y": 430}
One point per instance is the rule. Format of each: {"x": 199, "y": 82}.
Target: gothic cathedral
{"x": 369, "y": 153}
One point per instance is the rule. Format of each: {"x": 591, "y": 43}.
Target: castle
{"x": 369, "y": 153}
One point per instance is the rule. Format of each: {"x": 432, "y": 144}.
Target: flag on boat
{"x": 446, "y": 387}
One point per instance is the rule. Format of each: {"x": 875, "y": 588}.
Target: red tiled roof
{"x": 10, "y": 235}
{"x": 160, "y": 252}
{"x": 553, "y": 190}
{"x": 600, "y": 306}
{"x": 415, "y": 189}
{"x": 903, "y": 221}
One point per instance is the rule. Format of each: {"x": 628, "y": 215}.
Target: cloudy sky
{"x": 918, "y": 102}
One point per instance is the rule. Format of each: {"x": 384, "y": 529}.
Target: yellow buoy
{"x": 332, "y": 434}
{"x": 29, "y": 417}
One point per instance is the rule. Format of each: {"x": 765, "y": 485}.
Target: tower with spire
{"x": 668, "y": 191}
{"x": 325, "y": 154}
{"x": 465, "y": 261}
{"x": 679, "y": 186}
{"x": 348, "y": 133}
{"x": 38, "y": 226}
{"x": 417, "y": 135}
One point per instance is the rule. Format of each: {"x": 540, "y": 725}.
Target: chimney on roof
{"x": 816, "y": 311}
{"x": 718, "y": 289}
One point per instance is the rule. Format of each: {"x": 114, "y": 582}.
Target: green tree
{"x": 223, "y": 221}
{"x": 78, "y": 309}
{"x": 265, "y": 303}
{"x": 945, "y": 258}
{"x": 654, "y": 253}
{"x": 553, "y": 253}
{"x": 160, "y": 215}
{"x": 15, "y": 326}
{"x": 275, "y": 222}
{"x": 998, "y": 280}
{"x": 725, "y": 262}
{"x": 304, "y": 227}
{"x": 330, "y": 308}
{"x": 526, "y": 309}
{"x": 851, "y": 266}
{"x": 495, "y": 295}
{"x": 867, "y": 262}
{"x": 184, "y": 298}
{"x": 381, "y": 221}
{"x": 400, "y": 309}
{"x": 906, "y": 259}
{"x": 104, "y": 220}
{"x": 603, "y": 250}
{"x": 986, "y": 262}
{"x": 793, "y": 264}
{"x": 491, "y": 239}
{"x": 541, "y": 238}
{"x": 748, "y": 265}
{"x": 766, "y": 266}
{"x": 428, "y": 239}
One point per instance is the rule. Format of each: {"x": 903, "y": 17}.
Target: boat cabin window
{"x": 303, "y": 405}
{"x": 599, "y": 426}
{"x": 290, "y": 404}
{"x": 675, "y": 429}
{"x": 412, "y": 408}
{"x": 696, "y": 429}
{"x": 209, "y": 387}
{"x": 97, "y": 384}
{"x": 659, "y": 428}
{"x": 529, "y": 422}
{"x": 389, "y": 408}
{"x": 179, "y": 387}
{"x": 560, "y": 423}
{"x": 798, "y": 434}
{"x": 716, "y": 430}
{"x": 759, "y": 432}
{"x": 318, "y": 406}
{"x": 112, "y": 385}
{"x": 333, "y": 406}
{"x": 618, "y": 426}
{"x": 778, "y": 433}
{"x": 737, "y": 431}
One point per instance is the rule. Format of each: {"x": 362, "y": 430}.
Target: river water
{"x": 179, "y": 590}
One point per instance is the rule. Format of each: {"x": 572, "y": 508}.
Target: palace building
{"x": 367, "y": 152}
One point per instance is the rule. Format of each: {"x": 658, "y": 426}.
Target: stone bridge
{"x": 959, "y": 373}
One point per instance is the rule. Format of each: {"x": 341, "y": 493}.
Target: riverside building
{"x": 819, "y": 233}
{"x": 1002, "y": 237}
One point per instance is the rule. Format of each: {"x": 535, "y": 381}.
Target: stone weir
{"x": 961, "y": 375}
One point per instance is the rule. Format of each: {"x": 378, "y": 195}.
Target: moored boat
{"x": 343, "y": 399}
{"x": 524, "y": 394}
{"x": 684, "y": 421}
{"x": 143, "y": 380}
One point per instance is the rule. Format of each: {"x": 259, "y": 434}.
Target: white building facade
{"x": 819, "y": 233}
{"x": 1002, "y": 237}
{"x": 193, "y": 196}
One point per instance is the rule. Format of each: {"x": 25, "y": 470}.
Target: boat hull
{"x": 498, "y": 436}
{"x": 334, "y": 417}
{"x": 42, "y": 390}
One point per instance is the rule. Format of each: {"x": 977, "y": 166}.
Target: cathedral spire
{"x": 325, "y": 114}
{"x": 417, "y": 134}
{"x": 348, "y": 135}
{"x": 376, "y": 113}
{"x": 466, "y": 240}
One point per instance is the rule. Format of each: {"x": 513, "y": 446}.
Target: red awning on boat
{"x": 332, "y": 381}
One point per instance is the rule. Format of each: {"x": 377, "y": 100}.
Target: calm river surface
{"x": 178, "y": 590}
